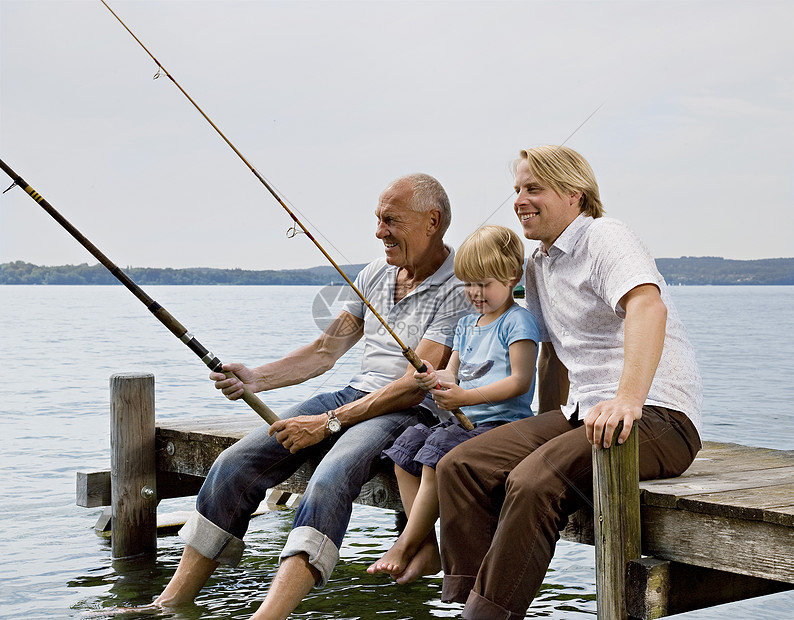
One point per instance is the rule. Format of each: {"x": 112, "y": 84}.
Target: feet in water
{"x": 393, "y": 562}
{"x": 405, "y": 568}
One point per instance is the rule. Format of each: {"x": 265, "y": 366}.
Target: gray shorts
{"x": 422, "y": 445}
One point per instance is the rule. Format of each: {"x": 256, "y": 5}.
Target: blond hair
{"x": 565, "y": 171}
{"x": 490, "y": 252}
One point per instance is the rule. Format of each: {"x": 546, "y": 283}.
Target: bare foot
{"x": 393, "y": 562}
{"x": 427, "y": 561}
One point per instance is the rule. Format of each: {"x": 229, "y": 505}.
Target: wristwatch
{"x": 333, "y": 424}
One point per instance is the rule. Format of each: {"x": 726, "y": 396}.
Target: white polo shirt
{"x": 575, "y": 290}
{"x": 430, "y": 311}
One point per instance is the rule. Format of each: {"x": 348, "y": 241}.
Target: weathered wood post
{"x": 133, "y": 478}
{"x": 616, "y": 508}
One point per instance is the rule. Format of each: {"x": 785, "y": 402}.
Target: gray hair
{"x": 429, "y": 194}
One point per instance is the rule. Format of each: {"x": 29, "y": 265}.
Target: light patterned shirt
{"x": 430, "y": 311}
{"x": 574, "y": 291}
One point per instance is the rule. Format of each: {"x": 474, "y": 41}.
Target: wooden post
{"x": 132, "y": 464}
{"x": 616, "y": 501}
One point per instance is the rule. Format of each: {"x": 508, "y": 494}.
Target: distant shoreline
{"x": 687, "y": 270}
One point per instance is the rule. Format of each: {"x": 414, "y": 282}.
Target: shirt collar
{"x": 440, "y": 276}
{"x": 568, "y": 239}
{"x": 444, "y": 272}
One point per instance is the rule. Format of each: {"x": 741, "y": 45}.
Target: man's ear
{"x": 433, "y": 221}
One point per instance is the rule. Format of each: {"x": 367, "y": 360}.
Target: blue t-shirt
{"x": 485, "y": 358}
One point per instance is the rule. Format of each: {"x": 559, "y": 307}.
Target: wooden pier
{"x": 721, "y": 532}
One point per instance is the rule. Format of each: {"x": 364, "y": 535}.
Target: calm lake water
{"x": 61, "y": 344}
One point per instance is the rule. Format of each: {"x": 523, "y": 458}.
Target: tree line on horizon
{"x": 687, "y": 270}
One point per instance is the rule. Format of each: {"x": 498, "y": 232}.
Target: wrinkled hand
{"x": 603, "y": 419}
{"x": 426, "y": 380}
{"x": 450, "y": 395}
{"x": 233, "y": 388}
{"x": 300, "y": 432}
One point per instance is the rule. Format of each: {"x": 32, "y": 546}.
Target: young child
{"x": 490, "y": 377}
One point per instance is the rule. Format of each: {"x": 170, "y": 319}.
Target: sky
{"x": 685, "y": 110}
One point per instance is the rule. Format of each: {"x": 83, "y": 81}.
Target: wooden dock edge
{"x": 681, "y": 577}
{"x": 654, "y": 588}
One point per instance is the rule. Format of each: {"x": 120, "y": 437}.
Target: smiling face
{"x": 543, "y": 213}
{"x": 490, "y": 297}
{"x": 407, "y": 235}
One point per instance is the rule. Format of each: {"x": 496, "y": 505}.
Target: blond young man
{"x": 605, "y": 308}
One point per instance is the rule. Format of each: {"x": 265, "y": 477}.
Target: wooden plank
{"x": 782, "y": 515}
{"x": 93, "y": 488}
{"x": 668, "y": 492}
{"x": 202, "y": 429}
{"x": 724, "y": 481}
{"x": 191, "y": 445}
{"x": 189, "y": 452}
{"x": 721, "y": 457}
{"x": 767, "y": 503}
{"x": 754, "y": 548}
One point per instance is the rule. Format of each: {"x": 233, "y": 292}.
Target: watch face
{"x": 334, "y": 425}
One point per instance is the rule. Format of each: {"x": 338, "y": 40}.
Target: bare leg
{"x": 409, "y": 487}
{"x": 294, "y": 579}
{"x": 190, "y": 576}
{"x": 418, "y": 534}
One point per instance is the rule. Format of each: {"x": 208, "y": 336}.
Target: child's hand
{"x": 450, "y": 396}
{"x": 426, "y": 380}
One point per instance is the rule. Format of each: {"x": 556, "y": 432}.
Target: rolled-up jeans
{"x": 241, "y": 476}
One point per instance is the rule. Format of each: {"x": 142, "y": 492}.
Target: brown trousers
{"x": 504, "y": 496}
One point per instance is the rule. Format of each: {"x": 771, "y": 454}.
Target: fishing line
{"x": 571, "y": 135}
{"x": 407, "y": 352}
{"x": 165, "y": 317}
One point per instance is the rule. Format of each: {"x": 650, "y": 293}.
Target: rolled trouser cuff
{"x": 212, "y": 541}
{"x": 322, "y": 552}
{"x": 456, "y": 588}
{"x": 480, "y": 608}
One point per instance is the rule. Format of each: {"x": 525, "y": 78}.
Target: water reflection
{"x": 351, "y": 593}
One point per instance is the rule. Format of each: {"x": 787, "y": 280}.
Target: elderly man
{"x": 416, "y": 292}
{"x": 604, "y": 307}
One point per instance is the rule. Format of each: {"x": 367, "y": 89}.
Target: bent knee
{"x": 452, "y": 463}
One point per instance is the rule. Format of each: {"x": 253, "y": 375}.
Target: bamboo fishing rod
{"x": 165, "y": 317}
{"x": 407, "y": 351}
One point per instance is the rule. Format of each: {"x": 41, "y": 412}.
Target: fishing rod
{"x": 165, "y": 317}
{"x": 407, "y": 351}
